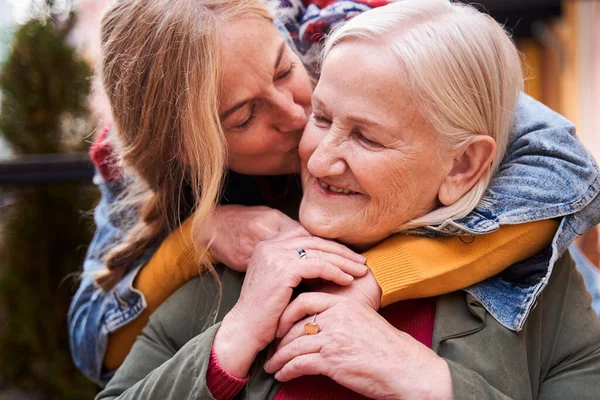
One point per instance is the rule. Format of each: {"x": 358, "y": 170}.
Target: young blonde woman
{"x": 374, "y": 133}
{"x": 198, "y": 87}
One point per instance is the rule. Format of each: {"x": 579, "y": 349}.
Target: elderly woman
{"x": 408, "y": 137}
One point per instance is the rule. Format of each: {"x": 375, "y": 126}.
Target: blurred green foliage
{"x": 42, "y": 84}
{"x": 43, "y": 233}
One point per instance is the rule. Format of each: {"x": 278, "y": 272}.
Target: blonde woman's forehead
{"x": 251, "y": 51}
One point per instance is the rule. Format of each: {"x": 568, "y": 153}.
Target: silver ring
{"x": 301, "y": 253}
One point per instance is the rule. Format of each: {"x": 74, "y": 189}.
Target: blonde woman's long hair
{"x": 463, "y": 70}
{"x": 160, "y": 69}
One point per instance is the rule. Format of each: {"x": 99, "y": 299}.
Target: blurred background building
{"x": 562, "y": 57}
{"x": 560, "y": 42}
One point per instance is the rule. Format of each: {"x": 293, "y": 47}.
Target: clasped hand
{"x": 356, "y": 347}
{"x": 274, "y": 270}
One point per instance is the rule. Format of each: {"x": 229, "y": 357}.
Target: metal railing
{"x": 44, "y": 168}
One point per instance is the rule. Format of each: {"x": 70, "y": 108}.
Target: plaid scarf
{"x": 305, "y": 23}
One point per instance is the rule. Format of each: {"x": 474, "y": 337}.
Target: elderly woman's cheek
{"x": 393, "y": 189}
{"x": 402, "y": 189}
{"x": 390, "y": 208}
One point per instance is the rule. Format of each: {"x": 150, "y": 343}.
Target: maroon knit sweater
{"x": 415, "y": 317}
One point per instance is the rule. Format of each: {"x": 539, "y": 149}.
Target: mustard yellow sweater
{"x": 406, "y": 267}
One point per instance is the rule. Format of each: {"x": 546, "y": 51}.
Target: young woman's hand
{"x": 238, "y": 229}
{"x": 274, "y": 270}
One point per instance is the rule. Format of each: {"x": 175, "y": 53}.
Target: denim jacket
{"x": 546, "y": 173}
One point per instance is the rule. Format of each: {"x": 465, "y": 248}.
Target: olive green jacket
{"x": 556, "y": 355}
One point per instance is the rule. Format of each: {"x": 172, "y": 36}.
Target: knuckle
{"x": 262, "y": 209}
{"x": 261, "y": 247}
{"x": 272, "y": 214}
{"x": 313, "y": 262}
{"x": 269, "y": 246}
{"x": 293, "y": 348}
{"x": 319, "y": 255}
{"x": 278, "y": 214}
{"x": 303, "y": 299}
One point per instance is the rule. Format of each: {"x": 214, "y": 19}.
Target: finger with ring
{"x": 312, "y": 328}
{"x": 306, "y": 304}
{"x": 302, "y": 253}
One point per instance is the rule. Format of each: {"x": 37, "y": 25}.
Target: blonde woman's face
{"x": 265, "y": 99}
{"x": 370, "y": 161}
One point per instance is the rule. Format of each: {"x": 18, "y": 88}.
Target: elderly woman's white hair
{"x": 464, "y": 73}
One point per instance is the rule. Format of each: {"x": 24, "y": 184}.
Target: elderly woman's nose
{"x": 325, "y": 160}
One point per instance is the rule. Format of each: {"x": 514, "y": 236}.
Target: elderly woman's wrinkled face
{"x": 370, "y": 161}
{"x": 264, "y": 99}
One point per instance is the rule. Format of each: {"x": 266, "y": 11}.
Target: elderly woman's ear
{"x": 467, "y": 168}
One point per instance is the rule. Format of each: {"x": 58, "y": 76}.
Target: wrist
{"x": 429, "y": 379}
{"x": 234, "y": 347}
{"x": 443, "y": 390}
{"x": 375, "y": 292}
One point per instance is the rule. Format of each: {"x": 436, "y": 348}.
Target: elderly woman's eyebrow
{"x": 354, "y": 118}
{"x": 359, "y": 120}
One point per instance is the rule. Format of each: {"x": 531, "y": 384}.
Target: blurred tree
{"x": 44, "y": 87}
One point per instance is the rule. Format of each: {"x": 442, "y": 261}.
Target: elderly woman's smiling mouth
{"x": 331, "y": 189}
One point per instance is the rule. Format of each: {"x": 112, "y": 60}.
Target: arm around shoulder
{"x": 410, "y": 267}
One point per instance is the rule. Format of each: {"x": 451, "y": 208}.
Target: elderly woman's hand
{"x": 357, "y": 348}
{"x": 274, "y": 270}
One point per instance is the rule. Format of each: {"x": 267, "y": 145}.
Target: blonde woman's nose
{"x": 291, "y": 116}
